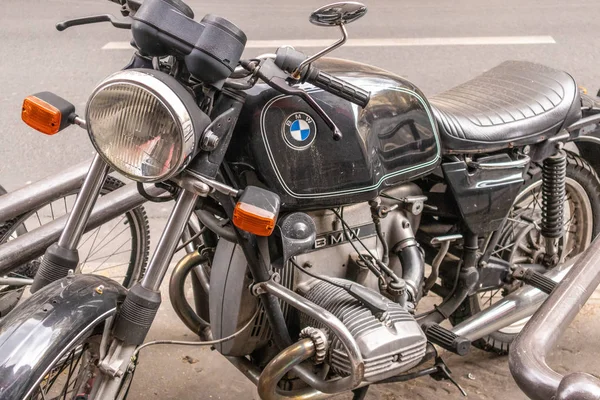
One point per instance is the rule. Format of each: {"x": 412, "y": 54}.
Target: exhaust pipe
{"x": 177, "y": 295}
{"x": 518, "y": 305}
{"x": 336, "y": 327}
{"x": 281, "y": 365}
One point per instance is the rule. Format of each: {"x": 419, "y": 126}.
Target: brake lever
{"x": 117, "y": 23}
{"x": 277, "y": 79}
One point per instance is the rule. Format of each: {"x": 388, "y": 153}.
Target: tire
{"x": 581, "y": 177}
{"x": 140, "y": 243}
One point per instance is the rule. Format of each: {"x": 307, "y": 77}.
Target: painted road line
{"x": 384, "y": 42}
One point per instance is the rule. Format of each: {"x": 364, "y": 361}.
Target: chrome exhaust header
{"x": 336, "y": 327}
{"x": 518, "y": 305}
{"x": 283, "y": 363}
{"x": 177, "y": 295}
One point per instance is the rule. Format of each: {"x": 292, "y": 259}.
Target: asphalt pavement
{"x": 36, "y": 57}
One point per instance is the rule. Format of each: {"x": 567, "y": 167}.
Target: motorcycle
{"x": 332, "y": 197}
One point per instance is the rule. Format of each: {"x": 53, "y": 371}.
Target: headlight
{"x": 144, "y": 124}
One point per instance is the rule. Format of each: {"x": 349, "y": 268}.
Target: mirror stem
{"x": 321, "y": 53}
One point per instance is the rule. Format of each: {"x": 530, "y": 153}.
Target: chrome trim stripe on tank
{"x": 360, "y": 190}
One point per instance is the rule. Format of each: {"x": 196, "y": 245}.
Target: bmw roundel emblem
{"x": 299, "y": 131}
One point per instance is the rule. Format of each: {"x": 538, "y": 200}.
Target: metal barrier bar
{"x": 33, "y": 244}
{"x": 43, "y": 191}
{"x": 527, "y": 359}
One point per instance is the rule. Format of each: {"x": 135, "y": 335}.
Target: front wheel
{"x": 522, "y": 243}
{"x": 50, "y": 344}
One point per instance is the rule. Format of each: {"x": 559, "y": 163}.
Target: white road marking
{"x": 383, "y": 42}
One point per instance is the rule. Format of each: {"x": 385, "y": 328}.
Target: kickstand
{"x": 443, "y": 373}
{"x": 360, "y": 393}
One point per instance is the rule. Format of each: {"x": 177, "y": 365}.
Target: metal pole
{"x": 78, "y": 217}
{"x": 527, "y": 359}
{"x": 43, "y": 191}
{"x": 33, "y": 244}
{"x": 159, "y": 263}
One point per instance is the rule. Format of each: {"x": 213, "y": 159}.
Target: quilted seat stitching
{"x": 491, "y": 107}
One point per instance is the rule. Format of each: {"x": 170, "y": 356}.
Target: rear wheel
{"x": 117, "y": 249}
{"x": 522, "y": 243}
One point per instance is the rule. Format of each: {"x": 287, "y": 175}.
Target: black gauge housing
{"x": 210, "y": 49}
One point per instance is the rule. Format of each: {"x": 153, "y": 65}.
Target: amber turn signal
{"x": 254, "y": 220}
{"x": 256, "y": 211}
{"x": 41, "y": 116}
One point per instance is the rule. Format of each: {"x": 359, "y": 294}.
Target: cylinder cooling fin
{"x": 390, "y": 343}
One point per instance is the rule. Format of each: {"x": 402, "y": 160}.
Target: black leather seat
{"x": 514, "y": 103}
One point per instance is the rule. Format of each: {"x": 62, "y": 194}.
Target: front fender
{"x": 37, "y": 331}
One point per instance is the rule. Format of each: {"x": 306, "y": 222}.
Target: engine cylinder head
{"x": 390, "y": 343}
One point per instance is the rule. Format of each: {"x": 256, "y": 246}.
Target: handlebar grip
{"x": 338, "y": 87}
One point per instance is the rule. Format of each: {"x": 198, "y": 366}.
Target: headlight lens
{"x": 140, "y": 124}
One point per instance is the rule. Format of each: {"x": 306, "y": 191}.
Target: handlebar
{"x": 289, "y": 60}
{"x": 338, "y": 87}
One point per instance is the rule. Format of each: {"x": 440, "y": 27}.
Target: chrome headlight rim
{"x": 154, "y": 83}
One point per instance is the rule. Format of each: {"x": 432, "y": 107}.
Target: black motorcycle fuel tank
{"x": 393, "y": 140}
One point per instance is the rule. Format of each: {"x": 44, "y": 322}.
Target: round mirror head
{"x": 338, "y": 13}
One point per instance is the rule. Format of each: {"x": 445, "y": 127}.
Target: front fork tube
{"x": 142, "y": 301}
{"x": 62, "y": 257}
{"x": 553, "y": 197}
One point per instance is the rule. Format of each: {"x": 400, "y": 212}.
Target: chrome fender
{"x": 37, "y": 331}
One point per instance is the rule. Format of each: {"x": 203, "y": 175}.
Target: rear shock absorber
{"x": 553, "y": 197}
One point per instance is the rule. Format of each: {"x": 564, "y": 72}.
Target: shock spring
{"x": 553, "y": 194}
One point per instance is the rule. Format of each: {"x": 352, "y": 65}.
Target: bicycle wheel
{"x": 117, "y": 249}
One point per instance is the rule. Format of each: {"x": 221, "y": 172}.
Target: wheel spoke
{"x": 113, "y": 254}
{"x": 91, "y": 247}
{"x": 111, "y": 230}
{"x": 116, "y": 236}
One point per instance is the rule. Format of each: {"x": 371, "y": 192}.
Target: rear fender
{"x": 38, "y": 331}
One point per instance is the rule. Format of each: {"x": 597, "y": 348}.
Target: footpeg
{"x": 446, "y": 339}
{"x": 535, "y": 279}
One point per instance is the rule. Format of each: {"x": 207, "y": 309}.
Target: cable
{"x": 381, "y": 265}
{"x": 368, "y": 263}
{"x": 190, "y": 343}
{"x": 191, "y": 239}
